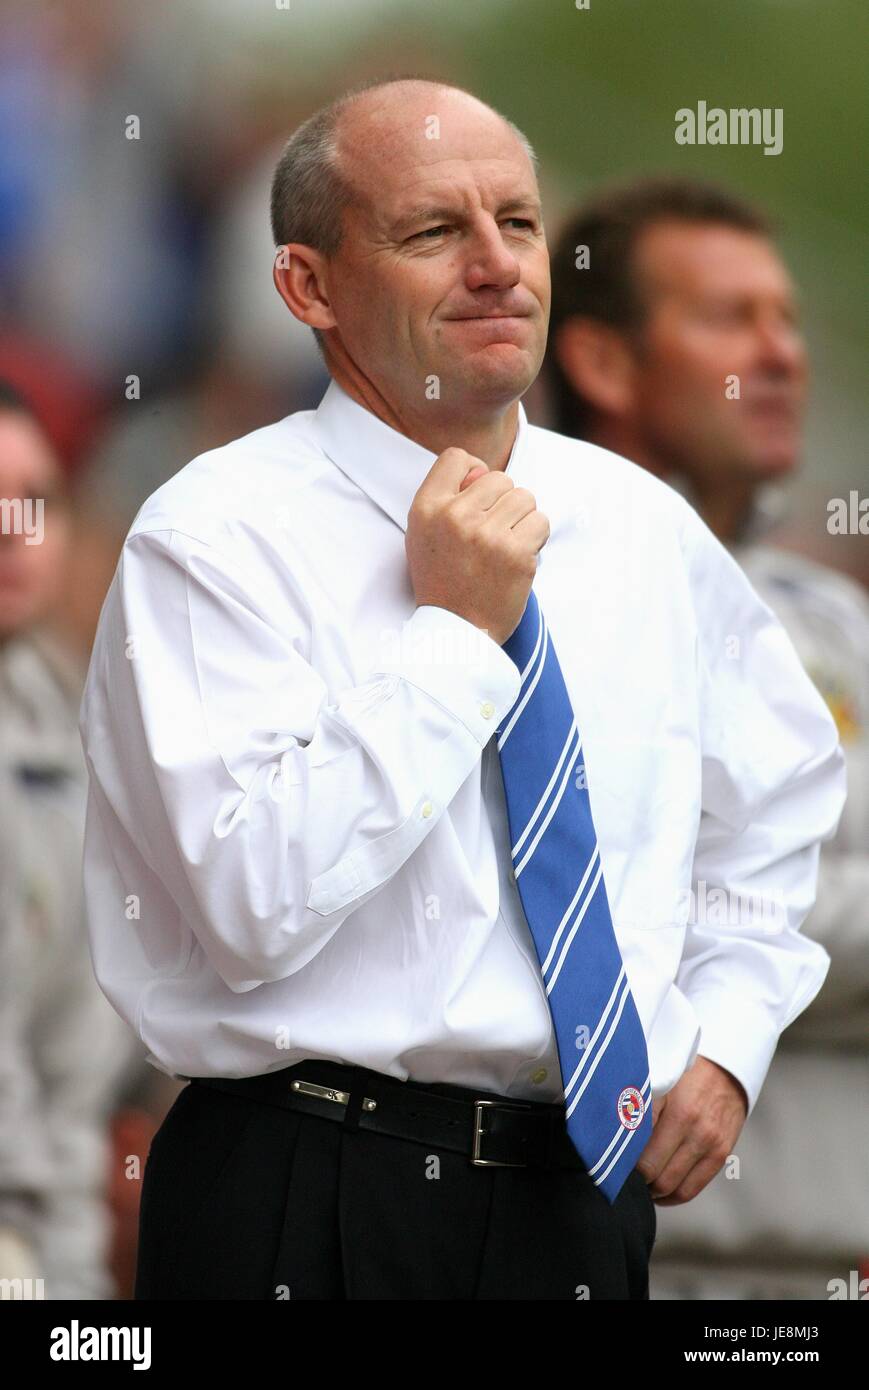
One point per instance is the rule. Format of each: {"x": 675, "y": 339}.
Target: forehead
{"x": 395, "y": 145}
{"x": 707, "y": 257}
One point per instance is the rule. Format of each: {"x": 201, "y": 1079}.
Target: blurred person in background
{"x": 62, "y": 1047}
{"x": 254, "y": 365}
{"x": 96, "y": 228}
{"x": 674, "y": 341}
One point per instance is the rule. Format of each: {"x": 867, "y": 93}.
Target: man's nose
{"x": 490, "y": 262}
{"x": 781, "y": 345}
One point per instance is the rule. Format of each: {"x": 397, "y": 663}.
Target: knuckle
{"x": 721, "y": 1153}
{"x": 707, "y": 1138}
{"x": 690, "y": 1113}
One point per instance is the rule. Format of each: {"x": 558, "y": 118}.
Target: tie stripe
{"x": 559, "y": 877}
{"x": 549, "y": 814}
{"x": 577, "y": 924}
{"x": 545, "y": 797}
{"x": 562, "y": 924}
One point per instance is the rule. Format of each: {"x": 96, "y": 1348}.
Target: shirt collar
{"x": 385, "y": 464}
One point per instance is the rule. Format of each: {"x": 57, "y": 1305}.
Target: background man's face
{"x": 720, "y": 303}
{"x": 30, "y": 574}
{"x": 443, "y": 270}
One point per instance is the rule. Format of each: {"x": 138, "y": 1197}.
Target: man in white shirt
{"x": 298, "y": 860}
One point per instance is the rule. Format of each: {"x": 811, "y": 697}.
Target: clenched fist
{"x": 472, "y": 543}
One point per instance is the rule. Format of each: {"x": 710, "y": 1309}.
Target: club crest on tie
{"x": 630, "y": 1107}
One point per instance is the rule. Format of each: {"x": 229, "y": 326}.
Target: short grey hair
{"x": 309, "y": 191}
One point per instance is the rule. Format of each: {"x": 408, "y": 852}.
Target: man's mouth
{"x": 775, "y": 407}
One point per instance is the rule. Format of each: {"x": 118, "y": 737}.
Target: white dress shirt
{"x": 297, "y": 840}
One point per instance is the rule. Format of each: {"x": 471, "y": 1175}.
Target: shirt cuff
{"x": 745, "y": 1049}
{"x": 457, "y": 664}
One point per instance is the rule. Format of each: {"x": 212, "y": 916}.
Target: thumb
{"x": 658, "y": 1107}
{"x": 478, "y": 471}
{"x": 449, "y": 473}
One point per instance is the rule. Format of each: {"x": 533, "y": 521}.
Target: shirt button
{"x": 539, "y": 1075}
{"x": 487, "y": 710}
{"x": 427, "y": 809}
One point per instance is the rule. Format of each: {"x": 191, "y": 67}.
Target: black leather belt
{"x": 491, "y": 1130}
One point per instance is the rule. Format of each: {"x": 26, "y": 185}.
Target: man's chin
{"x": 770, "y": 464}
{"x": 498, "y": 371}
{"x": 774, "y": 452}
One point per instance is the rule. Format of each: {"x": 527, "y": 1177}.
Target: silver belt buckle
{"x": 479, "y": 1133}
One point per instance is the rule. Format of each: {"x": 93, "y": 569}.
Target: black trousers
{"x": 242, "y": 1200}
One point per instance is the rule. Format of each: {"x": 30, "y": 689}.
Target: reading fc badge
{"x": 630, "y": 1107}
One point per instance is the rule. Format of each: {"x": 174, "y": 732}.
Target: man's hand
{"x": 472, "y": 543}
{"x": 695, "y": 1128}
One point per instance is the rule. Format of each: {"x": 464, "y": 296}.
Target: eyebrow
{"x": 434, "y": 213}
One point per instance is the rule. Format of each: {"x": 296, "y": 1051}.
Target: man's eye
{"x": 522, "y": 221}
{"x": 429, "y": 232}
{"x": 723, "y": 315}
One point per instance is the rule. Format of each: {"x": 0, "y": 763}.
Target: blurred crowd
{"x": 139, "y": 327}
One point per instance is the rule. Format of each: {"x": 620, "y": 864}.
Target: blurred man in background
{"x": 62, "y": 1047}
{"x": 253, "y": 366}
{"x": 674, "y": 341}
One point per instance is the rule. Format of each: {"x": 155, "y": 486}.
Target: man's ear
{"x": 300, "y": 279}
{"x": 598, "y": 363}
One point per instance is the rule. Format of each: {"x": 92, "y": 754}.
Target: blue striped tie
{"x": 556, "y": 861}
